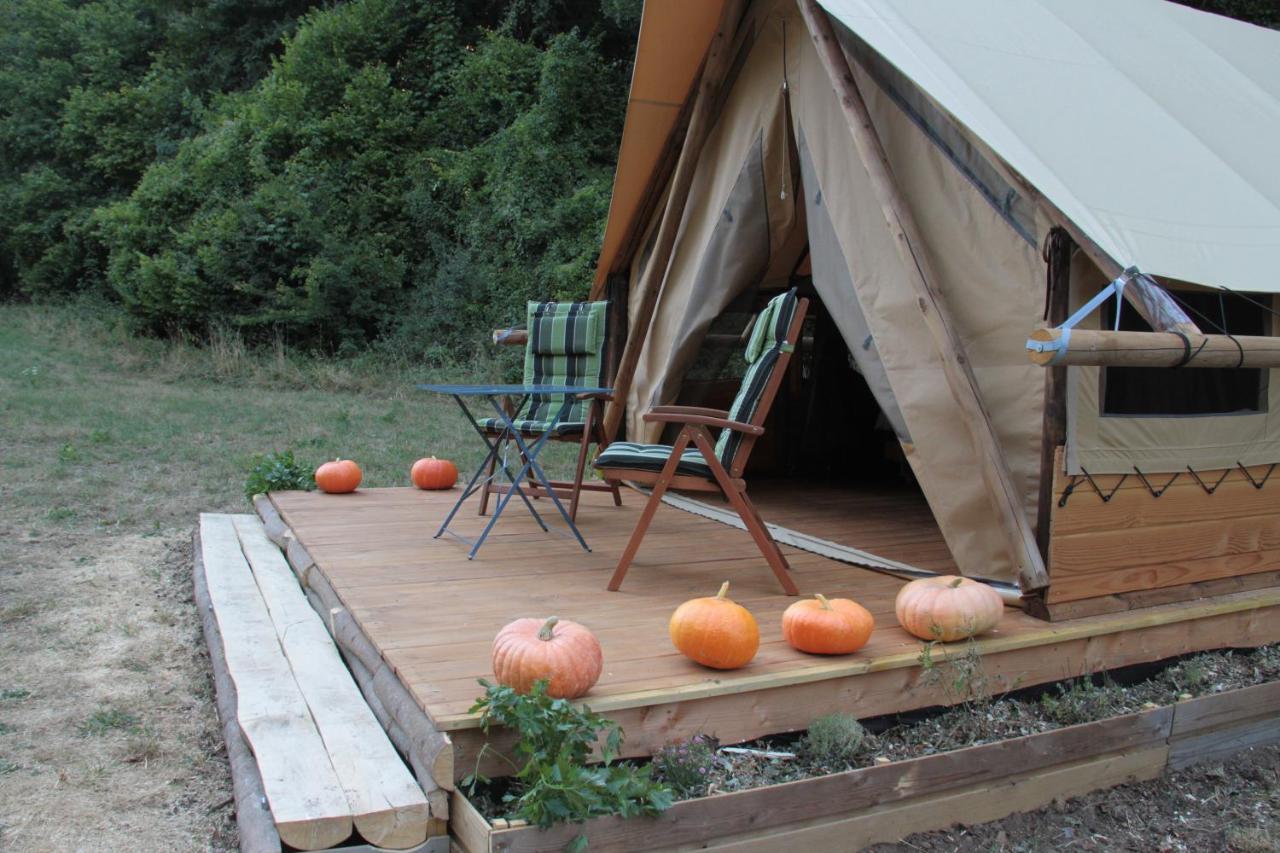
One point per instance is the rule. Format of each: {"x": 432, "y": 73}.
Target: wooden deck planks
{"x": 432, "y": 613}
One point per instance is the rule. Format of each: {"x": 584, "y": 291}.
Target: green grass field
{"x": 110, "y": 447}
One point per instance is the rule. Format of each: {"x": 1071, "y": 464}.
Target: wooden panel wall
{"x": 1136, "y": 541}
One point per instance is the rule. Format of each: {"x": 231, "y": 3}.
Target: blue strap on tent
{"x": 1059, "y": 346}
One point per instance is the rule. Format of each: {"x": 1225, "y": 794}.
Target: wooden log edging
{"x": 971, "y": 785}
{"x": 256, "y": 827}
{"x": 429, "y": 750}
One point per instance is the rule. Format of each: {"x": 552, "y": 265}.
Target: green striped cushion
{"x": 532, "y": 427}
{"x": 768, "y": 337}
{"x": 651, "y": 457}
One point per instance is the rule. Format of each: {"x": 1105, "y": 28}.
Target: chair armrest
{"x": 511, "y": 337}
{"x": 606, "y": 396}
{"x": 690, "y": 410}
{"x": 701, "y": 420}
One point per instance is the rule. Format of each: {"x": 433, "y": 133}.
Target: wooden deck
{"x": 432, "y": 613}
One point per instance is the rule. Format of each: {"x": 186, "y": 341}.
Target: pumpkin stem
{"x": 955, "y": 583}
{"x": 826, "y": 605}
{"x": 544, "y": 633}
{"x": 724, "y": 590}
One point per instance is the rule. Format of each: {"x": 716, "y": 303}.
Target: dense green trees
{"x": 404, "y": 169}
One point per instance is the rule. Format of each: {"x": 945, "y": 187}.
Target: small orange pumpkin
{"x": 338, "y": 477}
{"x": 715, "y": 632}
{"x": 948, "y": 608}
{"x": 824, "y": 626}
{"x": 433, "y": 474}
{"x": 565, "y": 653}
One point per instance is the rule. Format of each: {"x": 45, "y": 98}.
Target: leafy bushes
{"x": 403, "y": 171}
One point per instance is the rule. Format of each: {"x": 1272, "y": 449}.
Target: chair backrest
{"x": 773, "y": 339}
{"x": 565, "y": 347}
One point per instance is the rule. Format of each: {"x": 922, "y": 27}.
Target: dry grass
{"x": 111, "y": 447}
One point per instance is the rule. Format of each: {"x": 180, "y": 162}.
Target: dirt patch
{"x": 108, "y": 736}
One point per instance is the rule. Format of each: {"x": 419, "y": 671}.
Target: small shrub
{"x": 686, "y": 765}
{"x": 553, "y": 783}
{"x": 1082, "y": 701}
{"x": 277, "y": 472}
{"x": 834, "y": 739}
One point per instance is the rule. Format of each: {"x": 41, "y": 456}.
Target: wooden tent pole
{"x": 716, "y": 68}
{"x": 1006, "y": 500}
{"x": 1058, "y": 249}
{"x": 1154, "y": 349}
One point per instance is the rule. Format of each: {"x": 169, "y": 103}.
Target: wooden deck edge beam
{"x": 253, "y": 820}
{"x": 968, "y": 786}
{"x": 1093, "y": 347}
{"x": 1125, "y": 601}
{"x": 388, "y": 807}
{"x": 1006, "y": 501}
{"x": 429, "y": 750}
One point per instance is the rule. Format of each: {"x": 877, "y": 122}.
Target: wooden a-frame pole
{"x": 1006, "y": 500}
{"x": 715, "y": 68}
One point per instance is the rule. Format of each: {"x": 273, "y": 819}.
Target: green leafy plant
{"x": 277, "y": 472}
{"x": 553, "y": 783}
{"x": 834, "y": 739}
{"x": 686, "y": 765}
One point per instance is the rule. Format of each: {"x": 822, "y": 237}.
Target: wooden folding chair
{"x": 564, "y": 345}
{"x": 697, "y": 461}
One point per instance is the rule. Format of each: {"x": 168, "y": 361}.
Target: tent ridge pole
{"x": 1006, "y": 501}
{"x": 716, "y": 68}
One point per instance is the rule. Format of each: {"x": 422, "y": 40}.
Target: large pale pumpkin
{"x": 716, "y": 631}
{"x": 823, "y": 626}
{"x": 948, "y": 608}
{"x": 565, "y": 653}
{"x": 338, "y": 477}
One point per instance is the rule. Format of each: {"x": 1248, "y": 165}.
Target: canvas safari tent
{"x": 944, "y": 178}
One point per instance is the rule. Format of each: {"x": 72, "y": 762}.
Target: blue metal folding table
{"x": 529, "y": 451}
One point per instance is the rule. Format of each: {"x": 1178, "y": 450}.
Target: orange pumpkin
{"x": 565, "y": 653}
{"x": 948, "y": 608}
{"x": 824, "y": 626}
{"x": 433, "y": 473}
{"x": 338, "y": 477}
{"x": 715, "y": 632}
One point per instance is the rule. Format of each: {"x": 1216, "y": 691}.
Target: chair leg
{"x": 601, "y": 444}
{"x": 747, "y": 512}
{"x": 487, "y": 489}
{"x": 650, "y": 508}
{"x": 582, "y": 464}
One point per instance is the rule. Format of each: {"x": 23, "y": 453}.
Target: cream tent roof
{"x": 1153, "y": 127}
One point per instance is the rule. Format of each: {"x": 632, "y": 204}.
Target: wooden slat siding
{"x": 855, "y": 790}
{"x": 1155, "y": 597}
{"x": 1159, "y": 575}
{"x": 387, "y": 806}
{"x": 1184, "y": 502}
{"x": 469, "y": 829}
{"x": 1107, "y": 551}
{"x": 431, "y": 615}
{"x": 979, "y": 804}
{"x": 306, "y": 798}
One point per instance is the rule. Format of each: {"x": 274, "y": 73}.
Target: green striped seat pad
{"x": 764, "y": 348}
{"x": 566, "y": 343}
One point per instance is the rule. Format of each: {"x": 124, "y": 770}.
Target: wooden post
{"x": 1152, "y": 349}
{"x": 1006, "y": 500}
{"x": 719, "y": 58}
{"x": 1059, "y": 247}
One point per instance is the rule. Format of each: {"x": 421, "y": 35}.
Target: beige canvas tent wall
{"x": 1145, "y": 130}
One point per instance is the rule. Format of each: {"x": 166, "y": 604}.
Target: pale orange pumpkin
{"x": 338, "y": 477}
{"x": 565, "y": 653}
{"x": 948, "y": 608}
{"x": 715, "y": 632}
{"x": 432, "y": 474}
{"x": 823, "y": 626}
